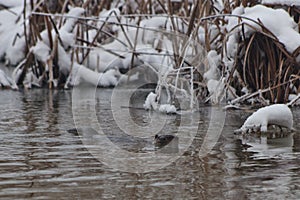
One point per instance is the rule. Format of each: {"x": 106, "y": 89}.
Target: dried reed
{"x": 262, "y": 61}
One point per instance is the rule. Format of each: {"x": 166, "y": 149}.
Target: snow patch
{"x": 13, "y": 3}
{"x": 41, "y": 51}
{"x": 167, "y": 108}
{"x": 217, "y": 91}
{"x": 81, "y": 73}
{"x": 213, "y": 62}
{"x": 71, "y": 18}
{"x": 278, "y": 21}
{"x": 150, "y": 102}
{"x": 12, "y": 40}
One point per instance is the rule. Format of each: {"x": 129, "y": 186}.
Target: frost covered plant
{"x": 277, "y": 114}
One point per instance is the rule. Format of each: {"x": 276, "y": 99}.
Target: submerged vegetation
{"x": 198, "y": 50}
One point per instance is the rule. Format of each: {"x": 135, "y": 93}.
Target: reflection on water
{"x": 40, "y": 159}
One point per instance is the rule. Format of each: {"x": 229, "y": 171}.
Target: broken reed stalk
{"x": 25, "y": 29}
{"x": 134, "y": 45}
{"x": 245, "y": 97}
{"x": 52, "y": 45}
{"x": 26, "y": 65}
{"x": 51, "y": 61}
{"x": 294, "y": 101}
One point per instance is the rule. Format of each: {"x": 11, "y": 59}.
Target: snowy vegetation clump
{"x": 152, "y": 104}
{"x": 195, "y": 51}
{"x": 255, "y": 35}
{"x": 277, "y": 114}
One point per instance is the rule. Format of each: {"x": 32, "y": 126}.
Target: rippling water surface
{"x": 39, "y": 159}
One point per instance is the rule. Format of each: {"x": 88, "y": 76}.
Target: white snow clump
{"x": 277, "y": 114}
{"x": 151, "y": 103}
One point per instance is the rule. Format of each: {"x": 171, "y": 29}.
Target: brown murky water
{"x": 39, "y": 159}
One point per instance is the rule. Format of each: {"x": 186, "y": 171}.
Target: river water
{"x": 39, "y": 159}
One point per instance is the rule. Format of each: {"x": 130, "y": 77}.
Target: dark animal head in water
{"x": 162, "y": 140}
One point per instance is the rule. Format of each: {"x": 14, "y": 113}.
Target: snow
{"x": 64, "y": 61}
{"x": 109, "y": 78}
{"x": 106, "y": 79}
{"x": 167, "y": 108}
{"x": 147, "y": 40}
{"x": 102, "y": 59}
{"x": 42, "y": 48}
{"x": 13, "y": 3}
{"x": 41, "y": 51}
{"x": 216, "y": 91}
{"x": 150, "y": 102}
{"x": 245, "y": 90}
{"x": 12, "y": 41}
{"x": 278, "y": 21}
{"x": 14, "y": 54}
{"x": 233, "y": 35}
{"x": 213, "y": 62}
{"x": 277, "y": 114}
{"x": 68, "y": 39}
{"x": 66, "y": 31}
{"x": 164, "y": 22}
{"x": 71, "y": 18}
{"x": 31, "y": 80}
{"x": 110, "y": 16}
{"x": 218, "y": 4}
{"x": 201, "y": 35}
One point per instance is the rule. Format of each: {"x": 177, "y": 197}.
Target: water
{"x": 39, "y": 159}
